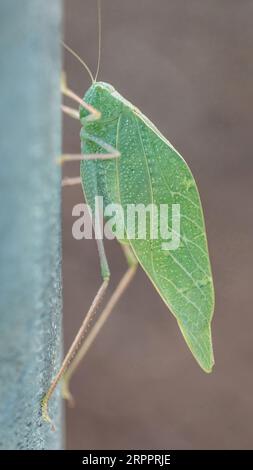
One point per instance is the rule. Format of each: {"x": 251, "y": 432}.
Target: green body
{"x": 150, "y": 170}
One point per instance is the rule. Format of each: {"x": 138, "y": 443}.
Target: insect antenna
{"x": 99, "y": 37}
{"x": 87, "y": 68}
{"x": 79, "y": 59}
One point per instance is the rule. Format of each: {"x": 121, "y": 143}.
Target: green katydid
{"x": 126, "y": 160}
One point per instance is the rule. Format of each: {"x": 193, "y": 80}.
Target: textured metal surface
{"x": 30, "y": 251}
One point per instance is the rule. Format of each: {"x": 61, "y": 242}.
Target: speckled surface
{"x": 30, "y": 248}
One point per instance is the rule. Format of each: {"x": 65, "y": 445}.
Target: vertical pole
{"x": 30, "y": 235}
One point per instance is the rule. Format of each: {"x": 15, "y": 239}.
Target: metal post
{"x": 30, "y": 237}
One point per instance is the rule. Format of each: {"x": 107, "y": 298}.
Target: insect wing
{"x": 151, "y": 171}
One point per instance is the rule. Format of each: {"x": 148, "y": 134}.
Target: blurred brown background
{"x": 187, "y": 64}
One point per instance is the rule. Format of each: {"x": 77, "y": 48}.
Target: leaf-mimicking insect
{"x": 126, "y": 160}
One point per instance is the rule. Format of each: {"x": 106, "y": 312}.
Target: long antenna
{"x": 99, "y": 38}
{"x": 79, "y": 59}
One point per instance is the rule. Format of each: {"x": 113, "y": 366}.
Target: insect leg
{"x": 71, "y": 181}
{"x": 105, "y": 272}
{"x": 74, "y": 113}
{"x": 120, "y": 289}
{"x": 94, "y": 113}
{"x": 112, "y": 153}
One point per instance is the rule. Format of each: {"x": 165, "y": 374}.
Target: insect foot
{"x": 44, "y": 412}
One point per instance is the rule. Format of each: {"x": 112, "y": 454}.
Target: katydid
{"x": 126, "y": 160}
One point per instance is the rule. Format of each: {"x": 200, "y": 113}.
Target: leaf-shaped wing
{"x": 150, "y": 170}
